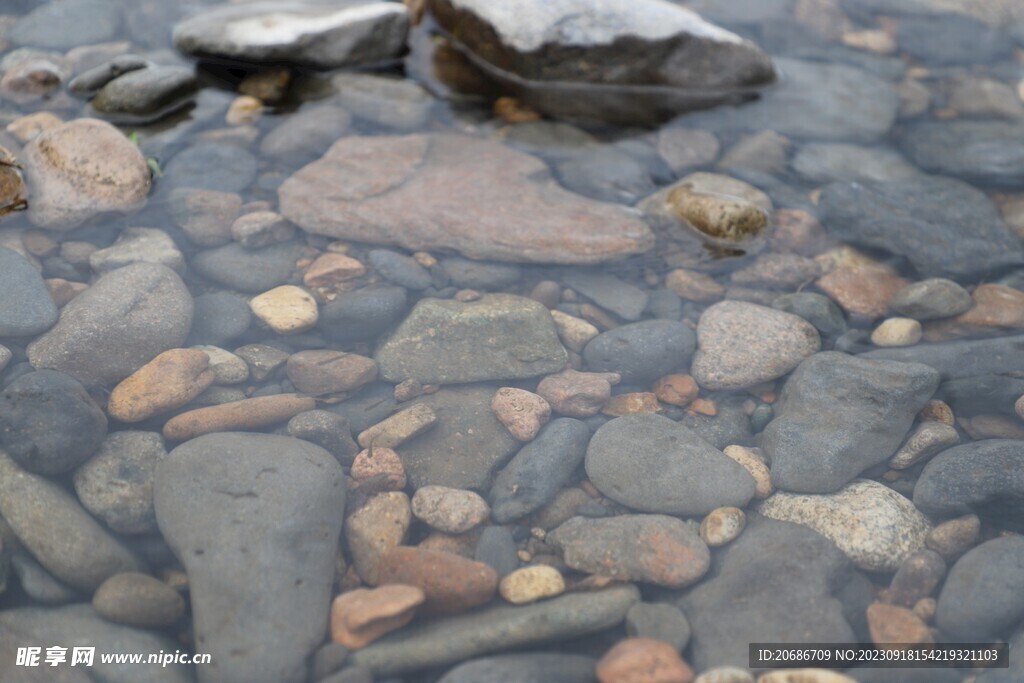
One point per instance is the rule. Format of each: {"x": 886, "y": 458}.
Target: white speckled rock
{"x": 453, "y": 511}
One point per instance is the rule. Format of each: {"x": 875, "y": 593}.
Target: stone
{"x": 329, "y": 372}
{"x": 722, "y": 525}
{"x": 379, "y": 462}
{"x": 263, "y": 360}
{"x": 394, "y": 103}
{"x": 286, "y": 309}
{"x": 499, "y": 336}
{"x": 804, "y": 676}
{"x": 816, "y": 309}
{"x": 250, "y": 413}
{"x": 981, "y": 477}
{"x": 90, "y": 81}
{"x": 927, "y": 439}
{"x": 862, "y": 289}
{"x": 38, "y": 583}
{"x": 641, "y": 352}
{"x": 982, "y": 596}
{"x": 330, "y": 269}
{"x": 650, "y": 463}
{"x": 996, "y": 308}
{"x": 984, "y": 153}
{"x": 169, "y": 381}
{"x": 304, "y": 135}
{"x": 531, "y": 584}
{"x": 677, "y": 390}
{"x": 778, "y": 271}
{"x": 226, "y": 367}
{"x": 687, "y": 148}
{"x": 451, "y": 583}
{"x": 823, "y": 162}
{"x": 328, "y": 430}
{"x": 577, "y": 394}
{"x": 631, "y": 403}
{"x": 522, "y": 412}
{"x": 919, "y": 219}
{"x": 399, "y": 269}
{"x": 261, "y": 229}
{"x": 363, "y": 314}
{"x": 299, "y": 34}
{"x": 361, "y": 616}
{"x": 533, "y": 477}
{"x": 654, "y": 549}
{"x": 138, "y": 245}
{"x": 897, "y": 332}
{"x": 931, "y": 299}
{"x": 217, "y": 166}
{"x": 120, "y": 323}
{"x": 375, "y": 528}
{"x": 960, "y": 359}
{"x": 444, "y": 641}
{"x": 522, "y": 201}
{"x": 27, "y": 309}
{"x": 871, "y": 405}
{"x": 530, "y": 667}
{"x": 874, "y": 525}
{"x": 204, "y": 215}
{"x": 146, "y": 94}
{"x": 659, "y": 620}
{"x": 136, "y": 599}
{"x": 609, "y": 292}
{"x": 980, "y": 394}
{"x": 57, "y": 531}
{"x": 918, "y": 575}
{"x": 954, "y": 537}
{"x": 481, "y": 275}
{"x": 223, "y": 500}
{"x": 714, "y": 206}
{"x": 397, "y": 429}
{"x": 452, "y": 511}
{"x": 741, "y": 344}
{"x": 693, "y": 285}
{"x": 48, "y": 422}
{"x": 82, "y": 169}
{"x": 643, "y": 660}
{"x": 752, "y": 460}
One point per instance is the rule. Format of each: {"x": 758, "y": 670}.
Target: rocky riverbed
{"x": 534, "y": 341}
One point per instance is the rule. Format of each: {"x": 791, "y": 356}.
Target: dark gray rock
{"x": 659, "y": 620}
{"x": 248, "y": 270}
{"x": 650, "y": 463}
{"x": 265, "y": 511}
{"x": 372, "y": 404}
{"x": 89, "y": 82}
{"x": 775, "y": 575}
{"x": 211, "y": 166}
{"x": 444, "y": 641}
{"x": 363, "y": 314}
{"x": 497, "y": 549}
{"x": 641, "y": 352}
{"x": 26, "y": 307}
{"x": 218, "y": 318}
{"x": 605, "y": 173}
{"x": 400, "y": 269}
{"x": 124, "y": 320}
{"x": 983, "y": 597}
{"x": 981, "y": 477}
{"x": 986, "y": 153}
{"x": 328, "y": 430}
{"x": 664, "y": 304}
{"x": 65, "y": 24}
{"x": 48, "y": 422}
{"x": 350, "y": 674}
{"x": 116, "y": 485}
{"x": 820, "y": 162}
{"x": 305, "y": 135}
{"x": 524, "y": 667}
{"x": 145, "y": 94}
{"x": 730, "y": 426}
{"x": 609, "y": 292}
{"x": 329, "y": 657}
{"x": 948, "y": 39}
{"x": 481, "y": 275}
{"x": 944, "y": 227}
{"x": 816, "y": 309}
{"x": 982, "y": 394}
{"x": 931, "y": 299}
{"x": 537, "y": 472}
{"x": 838, "y": 415}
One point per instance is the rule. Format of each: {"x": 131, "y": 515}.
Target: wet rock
{"x": 452, "y": 511}
{"x": 721, "y": 423}
{"x": 246, "y": 414}
{"x": 641, "y": 352}
{"x": 522, "y": 412}
{"x": 927, "y": 439}
{"x": 527, "y": 667}
{"x": 875, "y": 526}
{"x": 382, "y": 101}
{"x": 870, "y": 407}
{"x": 361, "y": 616}
{"x": 960, "y": 359}
{"x": 916, "y": 578}
{"x": 204, "y": 215}
{"x": 327, "y": 430}
{"x": 778, "y": 271}
{"x": 330, "y": 269}
{"x": 693, "y": 286}
{"x": 996, "y": 307}
{"x": 861, "y": 286}
{"x": 136, "y": 599}
{"x": 26, "y": 308}
{"x": 897, "y": 332}
{"x": 722, "y": 525}
{"x": 169, "y": 381}
{"x": 651, "y": 548}
{"x": 632, "y": 403}
{"x": 484, "y": 223}
{"x": 286, "y": 309}
{"x": 354, "y": 34}
{"x": 742, "y": 344}
{"x": 983, "y": 596}
{"x": 890, "y": 624}
{"x": 362, "y": 314}
{"x": 379, "y": 462}
{"x": 650, "y": 463}
{"x": 930, "y": 299}
{"x": 835, "y": 162}
{"x": 451, "y": 583}
{"x": 65, "y": 24}
{"x": 399, "y": 269}
{"x": 375, "y": 528}
{"x": 816, "y": 309}
{"x": 328, "y": 372}
{"x": 605, "y": 172}
{"x": 90, "y": 81}
{"x": 715, "y": 206}
{"x": 577, "y": 394}
{"x": 263, "y": 361}
{"x": 213, "y": 166}
{"x": 398, "y": 428}
{"x": 146, "y": 94}
{"x": 303, "y": 136}
{"x": 481, "y": 275}
{"x": 623, "y": 299}
{"x": 944, "y": 227}
{"x": 643, "y": 659}
{"x": 499, "y": 336}
{"x": 82, "y": 169}
{"x": 497, "y": 548}
{"x": 660, "y": 621}
{"x": 223, "y": 500}
{"x": 261, "y": 229}
{"x": 531, "y": 584}
{"x": 227, "y": 368}
{"x": 138, "y": 245}
{"x": 57, "y": 531}
{"x": 120, "y": 323}
{"x": 116, "y": 484}
{"x": 677, "y": 390}
{"x": 539, "y": 470}
{"x": 954, "y": 537}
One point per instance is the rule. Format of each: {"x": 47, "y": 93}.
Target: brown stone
{"x": 753, "y": 462}
{"x": 937, "y": 411}
{"x": 64, "y": 291}
{"x": 248, "y": 414}
{"x": 329, "y": 372}
{"x": 992, "y": 426}
{"x": 891, "y": 624}
{"x": 862, "y": 290}
{"x": 399, "y": 428}
{"x": 643, "y": 660}
{"x": 452, "y": 511}
{"x": 257, "y": 229}
{"x": 451, "y": 583}
{"x": 25, "y": 128}
{"x": 379, "y": 461}
{"x": 574, "y": 332}
{"x": 361, "y": 616}
{"x": 375, "y": 528}
{"x": 996, "y": 307}
{"x": 169, "y": 381}
{"x": 714, "y": 205}
{"x": 577, "y": 394}
{"x": 138, "y": 599}
{"x": 507, "y": 206}
{"x": 677, "y": 390}
{"x": 631, "y": 404}
{"x": 522, "y": 412}
{"x": 693, "y": 285}
{"x": 722, "y": 525}
{"x": 463, "y": 545}
{"x": 954, "y": 537}
{"x": 331, "y": 269}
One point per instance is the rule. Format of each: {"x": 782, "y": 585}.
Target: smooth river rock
{"x": 26, "y": 307}
{"x": 983, "y": 597}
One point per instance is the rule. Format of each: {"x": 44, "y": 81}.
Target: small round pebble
{"x": 286, "y": 309}
{"x": 897, "y": 332}
{"x": 522, "y": 412}
{"x": 452, "y": 511}
{"x": 677, "y": 390}
{"x": 574, "y": 332}
{"x": 138, "y": 599}
{"x": 226, "y": 366}
{"x": 530, "y": 584}
{"x": 722, "y": 525}
{"x": 643, "y": 660}
{"x": 954, "y": 537}
{"x": 379, "y": 461}
{"x": 937, "y": 411}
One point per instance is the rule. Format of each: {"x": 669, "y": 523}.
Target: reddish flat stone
{"x": 451, "y": 583}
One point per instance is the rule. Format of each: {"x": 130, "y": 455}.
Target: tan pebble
{"x": 752, "y": 461}
{"x": 954, "y": 537}
{"x": 381, "y": 524}
{"x": 62, "y": 291}
{"x": 862, "y": 288}
{"x": 226, "y": 366}
{"x": 872, "y": 40}
{"x": 169, "y": 381}
{"x": 286, "y": 309}
{"x": 725, "y": 674}
{"x": 577, "y": 394}
{"x": 677, "y": 390}
{"x": 937, "y": 411}
{"x": 598, "y": 316}
{"x": 524, "y": 555}
{"x": 522, "y": 412}
{"x": 25, "y": 128}
{"x": 452, "y": 511}
{"x": 323, "y": 371}
{"x": 379, "y": 462}
{"x": 408, "y": 389}
{"x": 399, "y": 428}
{"x": 463, "y": 545}
{"x": 804, "y": 676}
{"x": 632, "y": 404}
{"x": 244, "y": 109}
{"x": 927, "y": 439}
{"x": 992, "y": 426}
{"x": 925, "y": 609}
{"x": 703, "y": 406}
{"x": 361, "y": 616}
{"x": 722, "y": 525}
{"x": 891, "y": 624}
{"x": 242, "y": 415}
{"x": 572, "y": 331}
{"x": 425, "y": 259}
{"x": 694, "y": 286}
{"x": 643, "y": 660}
{"x": 137, "y": 599}
{"x": 331, "y": 269}
{"x": 530, "y": 584}
{"x": 897, "y": 332}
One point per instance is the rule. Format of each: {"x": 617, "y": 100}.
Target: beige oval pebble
{"x": 169, "y": 381}
{"x": 574, "y": 332}
{"x": 755, "y": 465}
{"x": 522, "y": 412}
{"x": 897, "y": 332}
{"x": 286, "y": 309}
{"x": 453, "y": 511}
{"x": 722, "y": 525}
{"x": 530, "y": 584}
{"x": 805, "y": 676}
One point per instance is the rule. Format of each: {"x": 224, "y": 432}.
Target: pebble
{"x": 531, "y": 584}
{"x": 205, "y": 216}
{"x": 577, "y": 394}
{"x": 31, "y": 80}
{"x": 24, "y": 128}
{"x": 714, "y": 206}
{"x": 399, "y": 269}
{"x": 169, "y": 381}
{"x": 261, "y": 229}
{"x": 575, "y": 333}
{"x": 328, "y": 430}
{"x": 263, "y": 360}
{"x": 253, "y": 271}
{"x": 116, "y": 484}
{"x": 496, "y": 547}
{"x": 927, "y": 439}
{"x": 643, "y": 660}
{"x": 26, "y": 309}
{"x": 655, "y": 549}
{"x": 361, "y": 616}
{"x": 362, "y": 314}
{"x": 330, "y": 372}
{"x": 641, "y": 352}
{"x": 816, "y": 309}
{"x": 451, "y": 583}
{"x": 722, "y": 525}
{"x": 119, "y": 324}
{"x": 660, "y": 621}
{"x": 983, "y": 596}
{"x": 609, "y": 292}
{"x": 753, "y": 462}
{"x": 522, "y": 412}
{"x": 742, "y": 344}
{"x": 5, "y": 356}
{"x": 286, "y": 309}
{"x": 996, "y": 307}
{"x": 146, "y": 94}
{"x": 862, "y": 289}
{"x": 692, "y": 285}
{"x": 778, "y": 271}
{"x": 379, "y": 462}
{"x": 248, "y": 414}
{"x": 375, "y": 528}
{"x": 805, "y": 676}
{"x": 897, "y": 332}
{"x": 244, "y": 109}
{"x": 954, "y": 537}
{"x": 954, "y": 148}
{"x": 959, "y": 359}
{"x": 227, "y": 368}
{"x": 453, "y": 511}
{"x": 332, "y": 269}
{"x": 530, "y": 666}
{"x": 677, "y": 390}
{"x": 631, "y": 403}
{"x": 136, "y": 599}
{"x": 138, "y": 245}
{"x": 918, "y": 575}
{"x": 931, "y": 299}
{"x": 404, "y": 425}
{"x": 876, "y": 527}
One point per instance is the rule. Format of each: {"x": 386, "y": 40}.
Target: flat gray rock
{"x": 959, "y": 359}
{"x": 983, "y": 596}
{"x": 265, "y": 511}
{"x": 145, "y": 94}
{"x": 931, "y": 299}
{"x": 822, "y": 162}
{"x": 838, "y": 415}
{"x": 641, "y": 352}
{"x": 609, "y": 292}
{"x": 26, "y": 307}
{"x": 986, "y": 153}
{"x": 525, "y": 667}
{"x": 248, "y": 270}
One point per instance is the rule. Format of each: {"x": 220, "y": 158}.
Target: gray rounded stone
{"x": 497, "y": 549}
{"x": 526, "y": 667}
{"x": 145, "y": 94}
{"x": 659, "y": 620}
{"x": 609, "y": 292}
{"x": 116, "y": 484}
{"x": 328, "y": 430}
{"x": 211, "y": 166}
{"x": 248, "y": 270}
{"x": 362, "y": 314}
{"x": 983, "y": 597}
{"x": 816, "y": 309}
{"x": 26, "y": 307}
{"x": 931, "y": 299}
{"x": 481, "y": 275}
{"x": 400, "y": 269}
{"x": 218, "y": 318}
{"x": 641, "y": 352}
{"x": 137, "y": 599}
